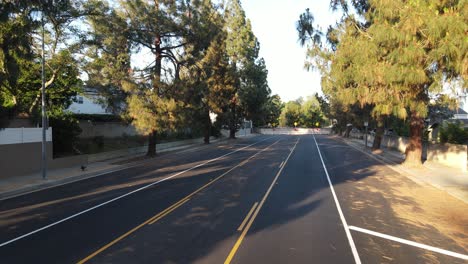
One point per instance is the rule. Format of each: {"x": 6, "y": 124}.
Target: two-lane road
{"x": 266, "y": 199}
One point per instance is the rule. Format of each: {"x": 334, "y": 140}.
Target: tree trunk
{"x": 348, "y": 131}
{"x": 151, "y": 144}
{"x": 233, "y": 125}
{"x": 156, "y": 83}
{"x": 414, "y": 149}
{"x": 378, "y": 134}
{"x": 158, "y": 65}
{"x": 207, "y": 131}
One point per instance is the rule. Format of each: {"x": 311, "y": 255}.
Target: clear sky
{"x": 273, "y": 22}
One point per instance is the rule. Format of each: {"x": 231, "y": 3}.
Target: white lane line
{"x": 343, "y": 220}
{"x": 124, "y": 195}
{"x": 411, "y": 243}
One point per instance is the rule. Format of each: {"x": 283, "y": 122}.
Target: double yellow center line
{"x": 170, "y": 209}
{"x": 241, "y": 227}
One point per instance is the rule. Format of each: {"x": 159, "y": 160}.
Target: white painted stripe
{"x": 343, "y": 220}
{"x": 411, "y": 243}
{"x": 281, "y": 165}
{"x": 124, "y": 195}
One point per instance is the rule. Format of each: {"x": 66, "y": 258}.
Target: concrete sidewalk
{"x": 451, "y": 180}
{"x": 18, "y": 185}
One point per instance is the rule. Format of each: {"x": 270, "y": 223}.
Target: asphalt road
{"x": 265, "y": 199}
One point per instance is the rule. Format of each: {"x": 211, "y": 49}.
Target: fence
{"x": 23, "y": 135}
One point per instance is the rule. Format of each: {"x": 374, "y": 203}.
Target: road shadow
{"x": 388, "y": 202}
{"x": 38, "y": 209}
{"x": 201, "y": 230}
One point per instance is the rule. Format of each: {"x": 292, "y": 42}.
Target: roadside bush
{"x": 4, "y": 117}
{"x": 215, "y": 131}
{"x": 65, "y": 132}
{"x": 98, "y": 118}
{"x": 453, "y": 133}
{"x": 400, "y": 127}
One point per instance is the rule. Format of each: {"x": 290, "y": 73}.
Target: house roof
{"x": 460, "y": 111}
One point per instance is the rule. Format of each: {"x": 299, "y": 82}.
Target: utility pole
{"x": 366, "y": 124}
{"x": 44, "y": 118}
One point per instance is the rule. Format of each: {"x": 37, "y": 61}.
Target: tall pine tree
{"x": 242, "y": 48}
{"x": 410, "y": 54}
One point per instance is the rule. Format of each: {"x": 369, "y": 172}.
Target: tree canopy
{"x": 163, "y": 65}
{"x": 410, "y": 54}
{"x": 204, "y": 59}
{"x": 305, "y": 113}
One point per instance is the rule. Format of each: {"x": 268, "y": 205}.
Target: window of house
{"x": 80, "y": 100}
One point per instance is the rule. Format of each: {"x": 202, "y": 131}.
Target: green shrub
{"x": 400, "y": 127}
{"x": 215, "y": 131}
{"x": 4, "y": 117}
{"x": 65, "y": 132}
{"x": 453, "y": 133}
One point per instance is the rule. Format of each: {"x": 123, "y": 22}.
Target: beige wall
{"x": 240, "y": 133}
{"x": 391, "y": 142}
{"x": 21, "y": 159}
{"x": 399, "y": 143}
{"x": 26, "y": 158}
{"x": 451, "y": 155}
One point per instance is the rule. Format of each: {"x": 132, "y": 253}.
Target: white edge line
{"x": 411, "y": 243}
{"x": 338, "y": 207}
{"x": 124, "y": 195}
